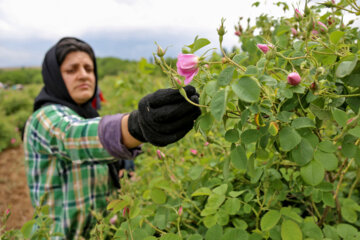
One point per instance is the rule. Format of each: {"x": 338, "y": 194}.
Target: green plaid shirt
{"x": 66, "y": 160}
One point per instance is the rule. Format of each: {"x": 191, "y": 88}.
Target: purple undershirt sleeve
{"x": 109, "y": 131}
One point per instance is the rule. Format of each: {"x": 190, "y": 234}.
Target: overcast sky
{"x": 123, "y": 28}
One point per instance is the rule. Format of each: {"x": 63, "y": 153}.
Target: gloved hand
{"x": 164, "y": 116}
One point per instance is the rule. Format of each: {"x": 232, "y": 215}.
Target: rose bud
{"x": 293, "y": 78}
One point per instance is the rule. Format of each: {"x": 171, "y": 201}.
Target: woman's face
{"x": 77, "y": 70}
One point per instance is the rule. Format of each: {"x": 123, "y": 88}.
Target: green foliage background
{"x": 266, "y": 160}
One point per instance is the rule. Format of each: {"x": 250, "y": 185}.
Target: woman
{"x": 70, "y": 151}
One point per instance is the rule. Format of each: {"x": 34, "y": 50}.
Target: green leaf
{"x": 158, "y": 196}
{"x": 27, "y": 228}
{"x": 290, "y": 212}
{"x": 232, "y": 135}
{"x": 268, "y": 80}
{"x": 170, "y": 236}
{"x": 347, "y": 231}
{"x": 250, "y": 136}
{"x": 269, "y": 220}
{"x": 353, "y": 80}
{"x": 246, "y": 89}
{"x": 311, "y": 230}
{"x": 328, "y": 160}
{"x": 221, "y": 190}
{"x": 346, "y": 67}
{"x": 214, "y": 233}
{"x": 355, "y": 131}
{"x": 195, "y": 172}
{"x": 210, "y": 220}
{"x": 218, "y": 105}
{"x": 303, "y": 153}
{"x": 239, "y": 58}
{"x": 238, "y": 158}
{"x": 336, "y": 36}
{"x": 327, "y": 146}
{"x": 284, "y": 116}
{"x": 303, "y": 122}
{"x": 211, "y": 88}
{"x": 195, "y": 237}
{"x": 313, "y": 173}
{"x": 290, "y": 230}
{"x": 234, "y": 233}
{"x": 328, "y": 199}
{"x": 232, "y": 206}
{"x": 204, "y": 191}
{"x": 198, "y": 44}
{"x": 117, "y": 205}
{"x": 225, "y": 76}
{"x": 340, "y": 116}
{"x": 251, "y": 70}
{"x": 289, "y": 138}
{"x": 215, "y": 200}
{"x": 206, "y": 121}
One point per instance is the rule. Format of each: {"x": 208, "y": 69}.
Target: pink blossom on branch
{"x": 187, "y": 66}
{"x": 263, "y": 47}
{"x": 193, "y": 151}
{"x": 294, "y": 32}
{"x": 293, "y": 78}
{"x": 322, "y": 26}
{"x": 298, "y": 14}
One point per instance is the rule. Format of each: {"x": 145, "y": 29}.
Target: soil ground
{"x": 14, "y": 192}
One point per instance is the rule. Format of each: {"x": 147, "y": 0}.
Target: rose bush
{"x": 283, "y": 156}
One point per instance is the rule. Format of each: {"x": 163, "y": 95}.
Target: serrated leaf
{"x": 269, "y": 220}
{"x": 290, "y": 230}
{"x": 225, "y": 76}
{"x": 340, "y": 116}
{"x": 289, "y": 138}
{"x": 303, "y": 122}
{"x": 246, "y": 89}
{"x": 313, "y": 173}
{"x": 218, "y": 105}
{"x": 204, "y": 191}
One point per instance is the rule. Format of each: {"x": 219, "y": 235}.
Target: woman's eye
{"x": 70, "y": 71}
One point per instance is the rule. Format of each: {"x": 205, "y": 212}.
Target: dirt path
{"x": 14, "y": 192}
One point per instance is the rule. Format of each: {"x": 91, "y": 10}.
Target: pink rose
{"x": 293, "y": 78}
{"x": 13, "y": 141}
{"x": 187, "y": 66}
{"x": 193, "y": 151}
{"x": 298, "y": 14}
{"x": 322, "y": 26}
{"x": 180, "y": 211}
{"x": 237, "y": 33}
{"x": 206, "y": 143}
{"x": 113, "y": 219}
{"x": 263, "y": 47}
{"x": 294, "y": 32}
{"x": 160, "y": 154}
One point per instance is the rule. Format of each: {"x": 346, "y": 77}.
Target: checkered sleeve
{"x": 61, "y": 132}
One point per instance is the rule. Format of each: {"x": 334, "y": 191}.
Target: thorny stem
{"x": 152, "y": 226}
{"x": 354, "y": 183}
{"x": 341, "y": 178}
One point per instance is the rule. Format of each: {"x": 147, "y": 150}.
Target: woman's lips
{"x": 82, "y": 86}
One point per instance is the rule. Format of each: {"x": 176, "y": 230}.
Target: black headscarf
{"x": 55, "y": 91}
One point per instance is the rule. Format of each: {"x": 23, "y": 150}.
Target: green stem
{"x": 183, "y": 93}
{"x": 354, "y": 183}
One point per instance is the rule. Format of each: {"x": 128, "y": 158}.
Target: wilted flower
{"x": 160, "y": 154}
{"x": 298, "y": 14}
{"x": 193, "y": 151}
{"x": 180, "y": 211}
{"x": 263, "y": 47}
{"x": 237, "y": 33}
{"x": 187, "y": 66}
{"x": 293, "y": 78}
{"x": 113, "y": 219}
{"x": 314, "y": 33}
{"x": 322, "y": 26}
{"x": 206, "y": 143}
{"x": 294, "y": 32}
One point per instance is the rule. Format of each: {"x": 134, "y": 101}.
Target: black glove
{"x": 164, "y": 116}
